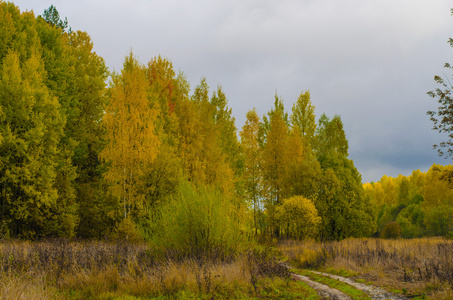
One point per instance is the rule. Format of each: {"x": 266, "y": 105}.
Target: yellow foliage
{"x": 436, "y": 191}
{"x": 298, "y": 218}
{"x": 133, "y": 144}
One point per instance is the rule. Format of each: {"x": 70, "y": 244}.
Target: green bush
{"x": 126, "y": 230}
{"x": 298, "y": 218}
{"x": 200, "y": 223}
{"x": 392, "y": 230}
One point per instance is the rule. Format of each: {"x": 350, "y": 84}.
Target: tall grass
{"x": 101, "y": 270}
{"x": 423, "y": 265}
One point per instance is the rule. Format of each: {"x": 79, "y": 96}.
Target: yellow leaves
{"x": 274, "y": 155}
{"x": 298, "y": 218}
{"x": 160, "y": 76}
{"x": 431, "y": 185}
{"x": 7, "y": 29}
{"x": 303, "y": 117}
{"x": 133, "y": 144}
{"x": 252, "y": 155}
{"x": 435, "y": 190}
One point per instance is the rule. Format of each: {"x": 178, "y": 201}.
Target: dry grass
{"x": 100, "y": 270}
{"x": 25, "y": 288}
{"x": 417, "y": 266}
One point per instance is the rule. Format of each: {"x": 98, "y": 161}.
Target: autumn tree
{"x": 303, "y": 117}
{"x": 205, "y": 161}
{"x": 31, "y": 129}
{"x": 164, "y": 94}
{"x": 77, "y": 76}
{"x": 252, "y": 163}
{"x": 438, "y": 201}
{"x": 224, "y": 120}
{"x": 39, "y": 111}
{"x": 304, "y": 169}
{"x": 274, "y": 162}
{"x": 132, "y": 142}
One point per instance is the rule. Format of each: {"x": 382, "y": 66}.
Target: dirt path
{"x": 373, "y": 291}
{"x": 327, "y": 292}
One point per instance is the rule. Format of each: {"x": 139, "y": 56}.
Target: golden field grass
{"x": 417, "y": 267}
{"x": 61, "y": 269}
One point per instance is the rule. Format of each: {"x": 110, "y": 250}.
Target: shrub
{"x": 392, "y": 230}
{"x": 126, "y": 230}
{"x": 200, "y": 223}
{"x": 298, "y": 218}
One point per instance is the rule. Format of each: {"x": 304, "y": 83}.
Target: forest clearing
{"x": 136, "y": 185}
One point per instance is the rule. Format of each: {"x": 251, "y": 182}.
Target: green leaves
{"x": 201, "y": 223}
{"x": 443, "y": 118}
{"x": 52, "y": 17}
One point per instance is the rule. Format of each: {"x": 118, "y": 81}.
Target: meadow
{"x": 63, "y": 269}
{"x": 416, "y": 267}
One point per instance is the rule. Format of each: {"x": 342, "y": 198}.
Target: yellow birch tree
{"x": 133, "y": 145}
{"x": 252, "y": 163}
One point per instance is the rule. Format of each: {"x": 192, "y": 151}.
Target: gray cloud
{"x": 371, "y": 62}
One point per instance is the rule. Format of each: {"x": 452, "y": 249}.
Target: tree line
{"x": 134, "y": 157}
{"x": 417, "y": 205}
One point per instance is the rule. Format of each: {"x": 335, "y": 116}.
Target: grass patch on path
{"x": 349, "y": 290}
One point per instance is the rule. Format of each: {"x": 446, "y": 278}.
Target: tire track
{"x": 373, "y": 291}
{"x": 325, "y": 291}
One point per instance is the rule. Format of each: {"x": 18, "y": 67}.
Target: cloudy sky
{"x": 371, "y": 62}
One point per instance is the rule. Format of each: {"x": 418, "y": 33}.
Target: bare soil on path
{"x": 326, "y": 292}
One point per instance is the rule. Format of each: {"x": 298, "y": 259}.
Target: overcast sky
{"x": 371, "y": 62}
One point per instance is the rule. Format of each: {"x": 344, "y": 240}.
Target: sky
{"x": 371, "y": 62}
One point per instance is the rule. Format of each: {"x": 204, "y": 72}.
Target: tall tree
{"x": 303, "y": 116}
{"x": 330, "y": 137}
{"x": 224, "y": 120}
{"x": 302, "y": 169}
{"x": 204, "y": 159}
{"x": 303, "y": 176}
{"x": 132, "y": 142}
{"x": 37, "y": 110}
{"x": 31, "y": 130}
{"x": 163, "y": 176}
{"x": 85, "y": 134}
{"x": 344, "y": 210}
{"x": 252, "y": 163}
{"x": 278, "y": 108}
{"x": 274, "y": 163}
